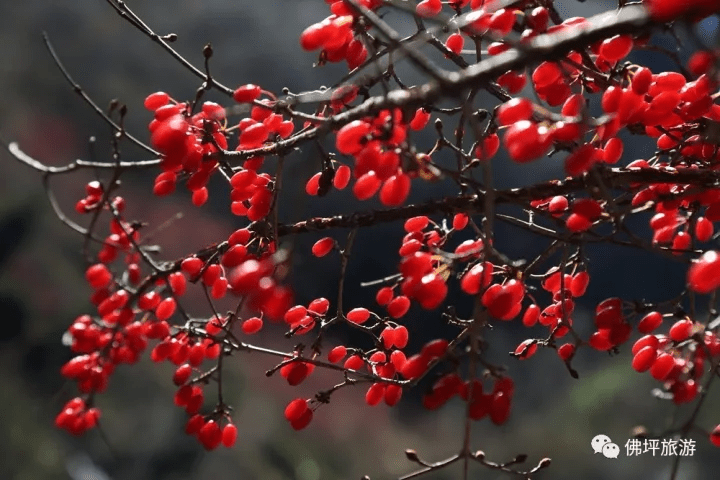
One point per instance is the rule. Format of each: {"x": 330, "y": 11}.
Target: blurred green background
{"x": 42, "y": 288}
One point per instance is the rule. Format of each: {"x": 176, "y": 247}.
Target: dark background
{"x": 42, "y": 288}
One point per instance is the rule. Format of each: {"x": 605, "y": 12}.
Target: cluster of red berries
{"x": 336, "y": 34}
{"x": 556, "y": 316}
{"x": 131, "y": 310}
{"x": 186, "y": 142}
{"x": 94, "y": 193}
{"x": 76, "y": 417}
{"x": 190, "y": 143}
{"x": 495, "y": 403}
{"x": 303, "y": 319}
{"x": 299, "y": 413}
{"x": 678, "y": 365}
{"x": 377, "y": 144}
{"x": 209, "y": 433}
{"x": 115, "y": 337}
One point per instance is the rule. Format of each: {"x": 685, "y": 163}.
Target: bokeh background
{"x": 42, "y": 288}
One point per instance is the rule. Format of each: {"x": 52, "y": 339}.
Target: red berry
{"x": 399, "y": 306}
{"x": 358, "y": 315}
{"x": 579, "y": 284}
{"x": 342, "y": 177}
{"x": 420, "y": 120}
{"x": 156, "y": 100}
{"x": 611, "y": 99}
{"x": 194, "y": 424}
{"x": 662, "y": 366}
{"x": 525, "y": 141}
{"x": 191, "y": 266}
{"x": 296, "y": 372}
{"x": 200, "y": 196}
{"x": 455, "y": 43}
{"x": 247, "y": 93}
{"x": 323, "y": 246}
{"x": 435, "y": 348}
{"x": 600, "y": 340}
{"x": 395, "y": 190}
{"x": 526, "y": 349}
{"x": 384, "y": 296}
{"x": 460, "y": 221}
{"x": 514, "y": 111}
{"x": 388, "y": 336}
{"x": 337, "y": 354}
{"x": 295, "y": 314}
{"x": 546, "y": 74}
{"x": 392, "y": 394}
{"x": 210, "y": 435}
{"x": 312, "y": 37}
{"x": 644, "y": 358}
{"x": 296, "y": 409}
{"x": 303, "y": 421}
{"x": 531, "y": 315}
{"x": 616, "y": 48}
{"x": 704, "y": 274}
{"x": 182, "y": 374}
{"x": 401, "y": 336}
{"x": 650, "y": 322}
{"x": 488, "y": 147}
{"x": 349, "y": 137}
{"x": 229, "y": 435}
{"x": 681, "y": 330}
{"x": 703, "y": 229}
{"x": 165, "y": 309}
{"x": 414, "y": 366}
{"x": 646, "y": 341}
{"x": 428, "y": 8}
{"x": 177, "y": 283}
{"x": 566, "y": 351}
{"x": 252, "y": 325}
{"x": 354, "y": 362}
{"x": 319, "y": 306}
{"x": 98, "y": 276}
{"x": 500, "y": 408}
{"x": 613, "y": 151}
{"x": 366, "y": 186}
{"x": 715, "y": 436}
{"x": 375, "y": 393}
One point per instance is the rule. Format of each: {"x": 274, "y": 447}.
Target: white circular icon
{"x": 610, "y": 450}
{"x": 599, "y": 442}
